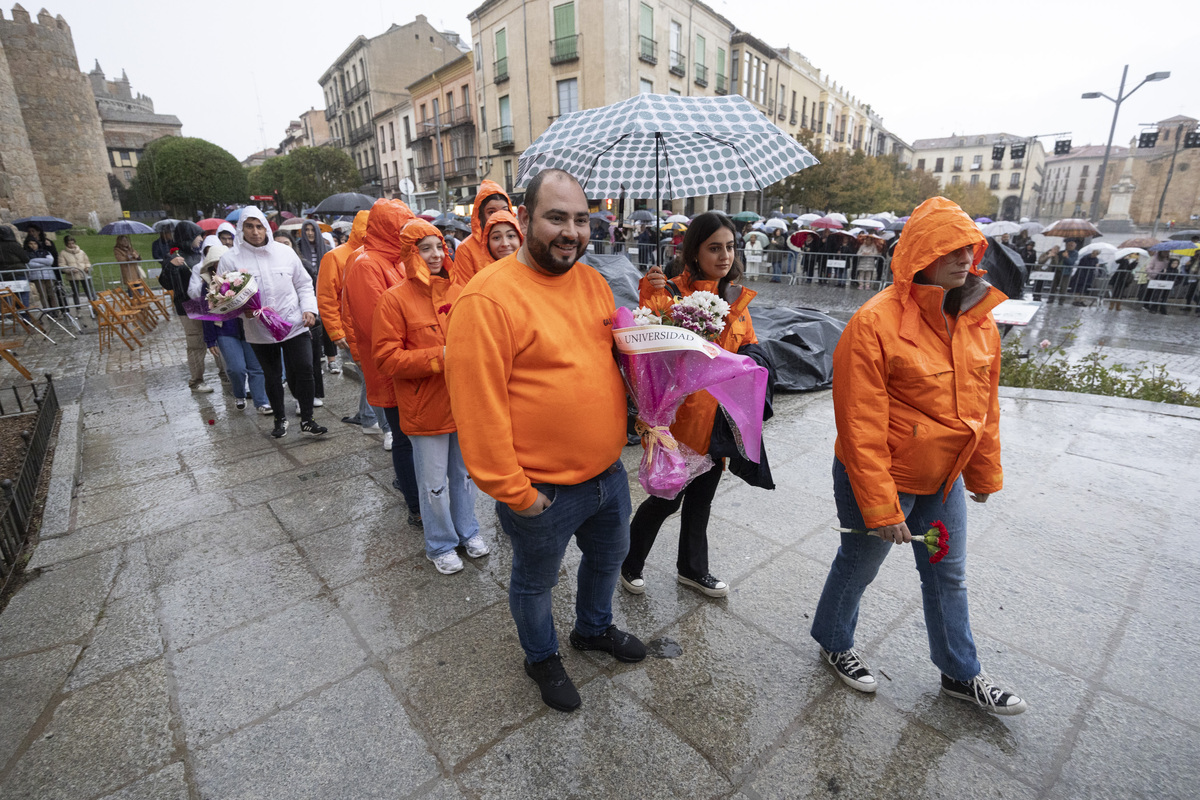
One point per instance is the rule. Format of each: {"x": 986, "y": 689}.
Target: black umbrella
{"x": 897, "y": 226}
{"x": 345, "y": 203}
{"x": 1005, "y": 269}
{"x": 641, "y": 215}
{"x": 47, "y": 224}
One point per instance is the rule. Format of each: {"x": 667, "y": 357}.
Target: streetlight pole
{"x": 1170, "y": 171}
{"x": 1121, "y": 97}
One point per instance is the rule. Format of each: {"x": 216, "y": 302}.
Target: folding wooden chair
{"x": 147, "y": 296}
{"x": 6, "y": 352}
{"x": 13, "y": 313}
{"x": 123, "y": 307}
{"x": 114, "y": 320}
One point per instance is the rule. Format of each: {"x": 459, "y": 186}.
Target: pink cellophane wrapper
{"x": 276, "y": 325}
{"x": 660, "y": 381}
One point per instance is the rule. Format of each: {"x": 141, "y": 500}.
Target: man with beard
{"x": 540, "y": 409}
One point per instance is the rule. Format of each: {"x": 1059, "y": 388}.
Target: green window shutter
{"x": 501, "y": 44}
{"x": 698, "y": 56}
{"x": 720, "y": 61}
{"x": 564, "y": 20}
{"x": 647, "y": 22}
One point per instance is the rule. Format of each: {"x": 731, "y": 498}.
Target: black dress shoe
{"x": 623, "y": 646}
{"x": 557, "y": 690}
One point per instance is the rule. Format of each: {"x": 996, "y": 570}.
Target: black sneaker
{"x": 557, "y": 690}
{"x": 634, "y": 584}
{"x": 312, "y": 428}
{"x": 623, "y": 646}
{"x": 853, "y": 671}
{"x": 280, "y": 430}
{"x": 415, "y": 520}
{"x": 708, "y": 585}
{"x": 984, "y": 692}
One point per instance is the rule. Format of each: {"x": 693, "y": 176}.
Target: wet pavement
{"x": 219, "y": 614}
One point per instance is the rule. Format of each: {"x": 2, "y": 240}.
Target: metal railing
{"x": 648, "y": 50}
{"x": 332, "y": 111}
{"x": 356, "y": 91}
{"x": 502, "y": 136}
{"x": 18, "y": 496}
{"x": 360, "y": 134}
{"x": 564, "y": 49}
{"x": 701, "y": 77}
{"x": 1092, "y": 285}
{"x": 500, "y": 66}
{"x": 721, "y": 89}
{"x": 678, "y": 63}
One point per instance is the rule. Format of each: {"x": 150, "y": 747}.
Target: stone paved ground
{"x": 223, "y": 615}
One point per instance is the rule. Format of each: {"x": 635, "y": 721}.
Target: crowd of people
{"x": 492, "y": 369}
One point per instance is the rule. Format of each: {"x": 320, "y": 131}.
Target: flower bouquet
{"x": 936, "y": 539}
{"x": 234, "y": 294}
{"x": 663, "y": 360}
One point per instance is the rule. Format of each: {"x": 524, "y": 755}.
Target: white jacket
{"x": 283, "y": 284}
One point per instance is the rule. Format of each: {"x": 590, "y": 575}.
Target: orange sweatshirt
{"x": 535, "y": 391}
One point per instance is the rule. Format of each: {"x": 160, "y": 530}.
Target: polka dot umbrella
{"x": 666, "y": 147}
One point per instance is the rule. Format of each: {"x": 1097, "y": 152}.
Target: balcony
{"x": 721, "y": 84}
{"x": 770, "y": 108}
{"x": 648, "y": 50}
{"x": 956, "y": 168}
{"x": 356, "y": 91}
{"x": 564, "y": 49}
{"x": 449, "y": 119}
{"x": 678, "y": 63}
{"x": 976, "y": 165}
{"x": 332, "y": 111}
{"x": 782, "y": 112}
{"x": 793, "y": 118}
{"x": 369, "y": 174}
{"x": 1018, "y": 163}
{"x": 701, "y": 78}
{"x": 359, "y": 134}
{"x": 429, "y": 175}
{"x": 502, "y": 137}
{"x": 500, "y": 66}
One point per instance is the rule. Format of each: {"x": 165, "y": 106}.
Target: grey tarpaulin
{"x": 799, "y": 341}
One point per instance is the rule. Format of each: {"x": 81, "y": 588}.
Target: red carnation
{"x": 444, "y": 309}
{"x": 943, "y": 542}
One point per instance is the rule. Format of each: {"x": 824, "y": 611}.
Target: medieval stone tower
{"x": 52, "y": 154}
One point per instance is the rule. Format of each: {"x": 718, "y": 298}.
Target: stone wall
{"x": 20, "y": 187}
{"x": 59, "y": 112}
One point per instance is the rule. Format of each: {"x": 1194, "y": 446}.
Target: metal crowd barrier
{"x": 1091, "y": 285}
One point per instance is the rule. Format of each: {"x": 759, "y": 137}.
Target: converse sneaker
{"x": 477, "y": 547}
{"x": 387, "y": 441}
{"x": 312, "y": 428}
{"x": 707, "y": 585}
{"x": 984, "y": 692}
{"x": 280, "y": 429}
{"x": 265, "y": 411}
{"x": 200, "y": 387}
{"x": 239, "y": 403}
{"x": 370, "y": 429}
{"x": 623, "y": 646}
{"x": 555, "y": 685}
{"x": 335, "y": 368}
{"x": 851, "y": 669}
{"x": 632, "y": 583}
{"x": 318, "y": 402}
{"x": 447, "y": 563}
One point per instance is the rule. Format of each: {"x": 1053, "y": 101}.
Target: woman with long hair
{"x": 710, "y": 264}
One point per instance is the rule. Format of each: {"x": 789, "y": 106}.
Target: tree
{"x": 974, "y": 198}
{"x": 314, "y": 173}
{"x": 268, "y": 177}
{"x": 185, "y": 174}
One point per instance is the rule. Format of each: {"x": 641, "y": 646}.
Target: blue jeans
{"x": 366, "y": 414}
{"x": 402, "y": 461}
{"x": 447, "y": 495}
{"x": 943, "y": 585}
{"x": 241, "y": 364}
{"x": 381, "y": 417}
{"x": 596, "y": 512}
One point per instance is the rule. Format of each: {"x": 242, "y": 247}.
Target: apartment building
{"x": 1070, "y": 181}
{"x": 444, "y": 138}
{"x": 1016, "y": 182}
{"x": 393, "y": 138}
{"x": 372, "y": 74}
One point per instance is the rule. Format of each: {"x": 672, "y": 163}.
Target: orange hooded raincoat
{"x": 486, "y": 260}
{"x": 472, "y": 254}
{"x": 915, "y": 390}
{"x": 332, "y": 275}
{"x": 694, "y": 420}
{"x": 410, "y": 336}
{"x": 375, "y": 270}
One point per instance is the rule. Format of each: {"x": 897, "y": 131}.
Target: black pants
{"x": 296, "y": 353}
{"x": 402, "y": 462}
{"x": 696, "y": 499}
{"x": 317, "y": 332}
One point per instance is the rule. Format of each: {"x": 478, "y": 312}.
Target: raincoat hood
{"x": 215, "y": 252}
{"x": 318, "y": 242}
{"x": 186, "y": 233}
{"x": 415, "y": 266}
{"x": 487, "y": 189}
{"x": 358, "y": 231}
{"x": 247, "y": 213}
{"x": 387, "y": 220}
{"x": 211, "y": 241}
{"x": 937, "y": 227}
{"x": 6, "y": 234}
{"x": 227, "y": 227}
{"x": 496, "y": 219}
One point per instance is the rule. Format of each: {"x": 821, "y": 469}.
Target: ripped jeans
{"x": 447, "y": 495}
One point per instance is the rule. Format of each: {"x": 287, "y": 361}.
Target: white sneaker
{"x": 447, "y": 563}
{"x": 334, "y": 368}
{"x": 477, "y": 547}
{"x": 265, "y": 411}
{"x": 372, "y": 429}
{"x": 201, "y": 388}
{"x": 318, "y": 402}
{"x": 387, "y": 441}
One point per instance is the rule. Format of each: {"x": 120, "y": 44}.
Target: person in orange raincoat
{"x": 502, "y": 237}
{"x": 330, "y": 278}
{"x": 710, "y": 264}
{"x": 372, "y": 272}
{"x": 410, "y": 341}
{"x": 915, "y": 397}
{"x": 471, "y": 255}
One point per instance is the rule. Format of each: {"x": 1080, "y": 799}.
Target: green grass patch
{"x": 105, "y": 273}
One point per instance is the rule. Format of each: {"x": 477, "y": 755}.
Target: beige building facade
{"x": 311, "y": 130}
{"x": 1180, "y": 198}
{"x": 129, "y": 122}
{"x": 444, "y": 140}
{"x": 1016, "y": 182}
{"x": 1071, "y": 179}
{"x": 394, "y": 128}
{"x": 372, "y": 74}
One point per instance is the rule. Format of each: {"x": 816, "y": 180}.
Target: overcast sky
{"x": 235, "y": 74}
